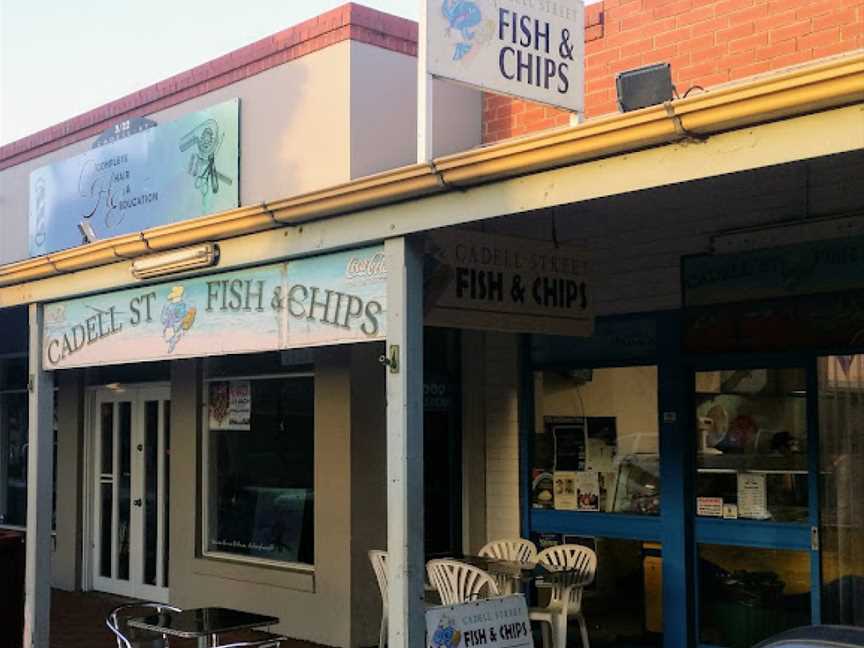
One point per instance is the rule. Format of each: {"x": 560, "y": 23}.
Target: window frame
{"x": 204, "y": 513}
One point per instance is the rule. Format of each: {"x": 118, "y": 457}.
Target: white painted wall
{"x": 384, "y": 112}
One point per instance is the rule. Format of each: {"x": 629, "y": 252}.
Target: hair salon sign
{"x": 526, "y": 48}
{"x": 331, "y": 299}
{"x": 181, "y": 169}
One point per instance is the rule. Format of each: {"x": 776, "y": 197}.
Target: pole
{"x": 425, "y": 97}
{"x": 37, "y": 583}
{"x": 404, "y": 354}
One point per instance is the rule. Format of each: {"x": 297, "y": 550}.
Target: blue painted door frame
{"x": 673, "y": 528}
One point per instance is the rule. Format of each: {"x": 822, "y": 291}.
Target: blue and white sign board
{"x": 532, "y": 50}
{"x": 174, "y": 171}
{"x": 487, "y": 623}
{"x": 318, "y": 301}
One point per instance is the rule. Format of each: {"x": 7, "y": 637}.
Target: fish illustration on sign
{"x": 446, "y": 635}
{"x": 177, "y": 317}
{"x": 463, "y": 16}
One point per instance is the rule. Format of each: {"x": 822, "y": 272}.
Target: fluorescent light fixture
{"x": 182, "y": 260}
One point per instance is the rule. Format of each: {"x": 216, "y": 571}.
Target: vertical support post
{"x": 37, "y": 584}
{"x": 425, "y": 97}
{"x": 405, "y": 539}
{"x": 677, "y": 453}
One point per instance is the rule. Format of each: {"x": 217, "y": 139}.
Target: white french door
{"x": 131, "y": 447}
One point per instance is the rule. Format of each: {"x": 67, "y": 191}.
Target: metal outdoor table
{"x": 203, "y": 624}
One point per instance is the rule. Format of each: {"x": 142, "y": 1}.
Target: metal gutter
{"x": 830, "y": 84}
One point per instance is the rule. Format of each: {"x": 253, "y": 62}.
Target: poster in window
{"x": 568, "y": 433}
{"x": 587, "y": 491}
{"x": 565, "y": 490}
{"x": 542, "y": 489}
{"x": 230, "y": 405}
{"x": 752, "y": 496}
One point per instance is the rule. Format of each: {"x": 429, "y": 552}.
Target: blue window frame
{"x": 657, "y": 339}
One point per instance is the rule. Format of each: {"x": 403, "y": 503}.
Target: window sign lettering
{"x": 318, "y": 301}
{"x": 533, "y": 50}
{"x": 814, "y": 267}
{"x": 138, "y": 177}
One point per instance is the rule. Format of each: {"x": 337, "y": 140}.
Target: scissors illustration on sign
{"x": 205, "y": 140}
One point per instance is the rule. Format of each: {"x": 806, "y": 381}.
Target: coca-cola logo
{"x": 374, "y": 266}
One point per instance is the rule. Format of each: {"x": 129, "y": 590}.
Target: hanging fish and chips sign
{"x": 531, "y": 50}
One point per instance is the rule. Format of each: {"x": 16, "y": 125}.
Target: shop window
{"x": 14, "y": 442}
{"x": 13, "y": 462}
{"x": 748, "y": 594}
{"x": 841, "y": 445}
{"x": 259, "y": 457}
{"x": 596, "y": 440}
{"x": 752, "y": 444}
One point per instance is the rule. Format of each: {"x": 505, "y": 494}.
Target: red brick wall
{"x": 707, "y": 42}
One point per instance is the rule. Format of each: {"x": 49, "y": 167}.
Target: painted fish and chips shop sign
{"x": 318, "y": 301}
{"x": 525, "y": 48}
{"x": 173, "y": 171}
{"x": 502, "y": 283}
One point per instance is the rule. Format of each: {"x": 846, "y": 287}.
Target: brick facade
{"x": 707, "y": 42}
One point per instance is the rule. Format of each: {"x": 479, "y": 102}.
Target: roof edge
{"x": 826, "y": 85}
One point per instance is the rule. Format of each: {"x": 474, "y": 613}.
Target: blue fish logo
{"x": 463, "y": 16}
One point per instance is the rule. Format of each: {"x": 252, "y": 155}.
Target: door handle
{"x": 138, "y": 502}
{"x": 814, "y": 538}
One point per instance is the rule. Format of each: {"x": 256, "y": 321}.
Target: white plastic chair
{"x": 518, "y": 550}
{"x": 378, "y": 558}
{"x": 573, "y": 567}
{"x": 458, "y": 582}
{"x": 131, "y": 637}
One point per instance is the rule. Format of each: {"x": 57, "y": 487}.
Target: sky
{"x": 60, "y": 58}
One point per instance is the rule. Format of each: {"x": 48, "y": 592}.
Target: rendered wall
{"x": 384, "y": 112}
{"x": 70, "y": 403}
{"x": 502, "y": 435}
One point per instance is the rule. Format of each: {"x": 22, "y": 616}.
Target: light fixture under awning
{"x": 166, "y": 263}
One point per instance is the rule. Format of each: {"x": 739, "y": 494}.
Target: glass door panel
{"x": 841, "y": 445}
{"x": 123, "y": 497}
{"x": 752, "y": 445}
{"x": 155, "y": 500}
{"x": 747, "y": 594}
{"x": 130, "y": 508}
{"x": 754, "y": 506}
